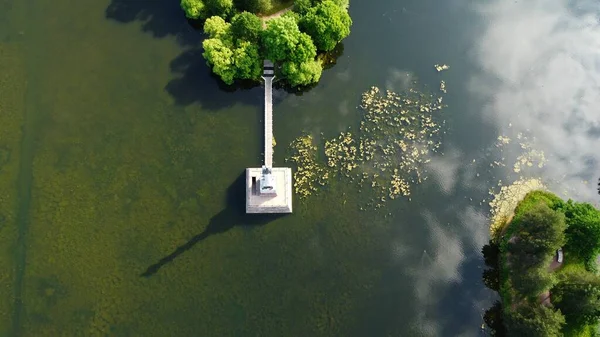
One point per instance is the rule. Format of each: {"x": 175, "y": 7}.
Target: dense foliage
{"x": 239, "y": 40}
{"x": 543, "y": 223}
{"x": 578, "y": 298}
{"x": 583, "y": 233}
{"x": 534, "y": 321}
{"x": 327, "y": 23}
{"x": 231, "y": 57}
{"x": 539, "y": 234}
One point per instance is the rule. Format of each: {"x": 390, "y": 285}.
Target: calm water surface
{"x": 121, "y": 157}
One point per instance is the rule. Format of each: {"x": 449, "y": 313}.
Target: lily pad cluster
{"x": 397, "y": 136}
{"x": 309, "y": 173}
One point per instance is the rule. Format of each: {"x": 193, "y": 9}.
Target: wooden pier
{"x": 268, "y": 189}
{"x": 268, "y": 75}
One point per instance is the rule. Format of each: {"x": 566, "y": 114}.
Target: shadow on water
{"x": 194, "y": 82}
{"x": 228, "y": 218}
{"x": 161, "y": 18}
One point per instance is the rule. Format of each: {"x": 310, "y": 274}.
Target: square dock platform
{"x": 278, "y": 202}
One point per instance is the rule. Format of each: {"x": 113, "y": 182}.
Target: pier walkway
{"x": 268, "y": 75}
{"x": 268, "y": 188}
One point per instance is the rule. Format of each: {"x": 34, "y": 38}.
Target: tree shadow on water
{"x": 161, "y": 18}
{"x": 197, "y": 84}
{"x": 233, "y": 215}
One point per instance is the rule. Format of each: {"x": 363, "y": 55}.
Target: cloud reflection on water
{"x": 540, "y": 63}
{"x": 538, "y": 75}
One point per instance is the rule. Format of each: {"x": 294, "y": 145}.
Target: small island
{"x": 294, "y": 35}
{"x": 549, "y": 284}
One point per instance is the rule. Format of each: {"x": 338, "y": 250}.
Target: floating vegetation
{"x": 342, "y": 153}
{"x": 505, "y": 201}
{"x": 443, "y": 86}
{"x": 529, "y": 157}
{"x": 309, "y": 172}
{"x": 441, "y": 67}
{"x": 274, "y": 143}
{"x": 502, "y": 140}
{"x": 397, "y": 136}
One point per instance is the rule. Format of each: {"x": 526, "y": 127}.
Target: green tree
{"x": 194, "y": 9}
{"x": 263, "y": 6}
{"x": 534, "y": 321}
{"x": 246, "y": 26}
{"x": 247, "y": 60}
{"x": 254, "y": 6}
{"x": 222, "y": 8}
{"x": 216, "y": 27}
{"x": 327, "y": 23}
{"x": 219, "y": 56}
{"x": 291, "y": 14}
{"x": 533, "y": 282}
{"x": 583, "y": 232}
{"x": 578, "y": 298}
{"x": 304, "y": 50}
{"x": 540, "y": 233}
{"x": 282, "y": 38}
{"x": 229, "y": 58}
{"x": 302, "y": 6}
{"x": 201, "y": 9}
{"x": 303, "y": 73}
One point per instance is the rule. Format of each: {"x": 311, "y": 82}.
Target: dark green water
{"x": 120, "y": 197}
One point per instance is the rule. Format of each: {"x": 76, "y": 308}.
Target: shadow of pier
{"x": 233, "y": 215}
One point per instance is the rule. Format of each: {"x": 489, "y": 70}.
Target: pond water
{"x": 121, "y": 161}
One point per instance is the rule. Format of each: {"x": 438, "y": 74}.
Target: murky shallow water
{"x": 120, "y": 165}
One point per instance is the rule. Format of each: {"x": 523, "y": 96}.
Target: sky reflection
{"x": 540, "y": 63}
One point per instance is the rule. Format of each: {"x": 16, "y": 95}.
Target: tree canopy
{"x": 283, "y": 41}
{"x": 539, "y": 234}
{"x": 246, "y": 26}
{"x": 202, "y": 9}
{"x": 583, "y": 232}
{"x": 578, "y": 298}
{"x": 303, "y": 73}
{"x": 230, "y": 58}
{"x": 327, "y": 23}
{"x": 535, "y": 321}
{"x": 239, "y": 40}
